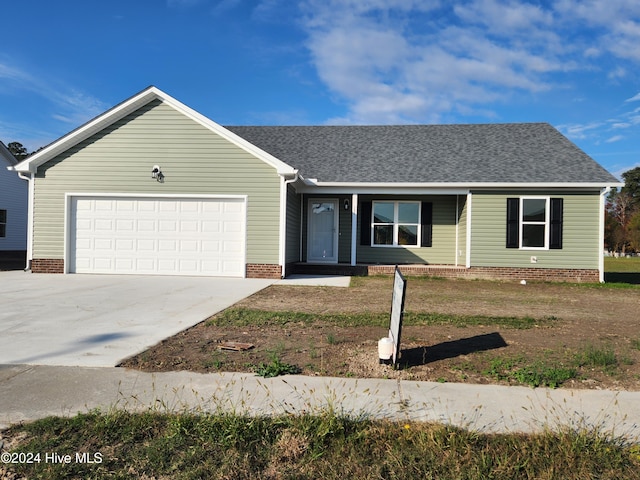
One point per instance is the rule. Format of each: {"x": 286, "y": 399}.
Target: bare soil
{"x": 572, "y": 319}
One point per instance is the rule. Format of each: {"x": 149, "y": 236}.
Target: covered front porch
{"x": 369, "y": 233}
{"x": 363, "y": 270}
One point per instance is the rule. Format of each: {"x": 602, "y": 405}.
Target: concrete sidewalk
{"x": 32, "y": 392}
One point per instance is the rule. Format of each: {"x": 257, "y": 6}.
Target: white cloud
{"x": 579, "y": 131}
{"x": 635, "y": 98}
{"x": 504, "y": 17}
{"x": 432, "y": 58}
{"x": 615, "y": 138}
{"x": 66, "y": 104}
{"x": 617, "y": 73}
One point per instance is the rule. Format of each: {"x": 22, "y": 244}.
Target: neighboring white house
{"x": 13, "y": 205}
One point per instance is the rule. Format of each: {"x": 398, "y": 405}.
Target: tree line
{"x": 622, "y": 215}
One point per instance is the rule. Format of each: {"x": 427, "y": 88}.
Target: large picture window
{"x": 396, "y": 224}
{"x": 534, "y": 223}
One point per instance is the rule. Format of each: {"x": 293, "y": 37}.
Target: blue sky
{"x": 572, "y": 63}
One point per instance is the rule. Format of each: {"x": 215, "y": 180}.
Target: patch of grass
{"x": 549, "y": 373}
{"x": 622, "y": 265}
{"x": 635, "y": 343}
{"x": 276, "y": 367}
{"x": 536, "y": 374}
{"x": 247, "y": 316}
{"x": 600, "y": 357}
{"x": 623, "y": 272}
{"x": 327, "y": 445}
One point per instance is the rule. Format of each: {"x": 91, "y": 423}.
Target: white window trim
{"x": 546, "y": 223}
{"x": 396, "y": 224}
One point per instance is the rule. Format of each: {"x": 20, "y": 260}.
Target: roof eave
{"x": 467, "y": 185}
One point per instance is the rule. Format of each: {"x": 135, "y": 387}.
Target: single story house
{"x": 13, "y": 207}
{"x": 153, "y": 187}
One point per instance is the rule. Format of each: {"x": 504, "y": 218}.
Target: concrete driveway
{"x": 99, "y": 320}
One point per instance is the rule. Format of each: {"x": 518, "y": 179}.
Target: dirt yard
{"x": 575, "y": 327}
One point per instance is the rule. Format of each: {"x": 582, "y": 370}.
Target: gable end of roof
{"x": 130, "y": 105}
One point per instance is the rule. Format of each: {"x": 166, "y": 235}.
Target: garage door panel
{"x": 157, "y": 236}
{"x": 143, "y": 245}
{"x": 146, "y": 225}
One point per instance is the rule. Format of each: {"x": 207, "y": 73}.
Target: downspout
{"x": 283, "y": 221}
{"x": 469, "y": 224}
{"x": 457, "y": 220}
{"x": 30, "y": 179}
{"x": 605, "y": 191}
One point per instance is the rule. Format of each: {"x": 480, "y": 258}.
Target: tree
{"x": 634, "y": 231}
{"x": 18, "y": 150}
{"x": 622, "y": 206}
{"x": 632, "y": 185}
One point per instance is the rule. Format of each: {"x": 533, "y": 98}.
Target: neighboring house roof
{"x": 6, "y": 155}
{"x": 130, "y": 105}
{"x": 515, "y": 153}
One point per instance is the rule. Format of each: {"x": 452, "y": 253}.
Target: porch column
{"x": 354, "y": 227}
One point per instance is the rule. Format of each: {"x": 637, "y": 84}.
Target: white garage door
{"x": 161, "y": 236}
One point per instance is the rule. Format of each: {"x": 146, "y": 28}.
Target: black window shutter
{"x": 427, "y": 224}
{"x": 555, "y": 232}
{"x": 513, "y": 222}
{"x": 365, "y": 223}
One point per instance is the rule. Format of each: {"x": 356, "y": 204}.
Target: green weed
{"x": 276, "y": 367}
{"x": 602, "y": 357}
{"x": 538, "y": 374}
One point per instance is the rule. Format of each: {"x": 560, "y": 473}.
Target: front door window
{"x": 323, "y": 231}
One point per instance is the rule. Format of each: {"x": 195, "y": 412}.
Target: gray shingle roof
{"x": 482, "y": 153}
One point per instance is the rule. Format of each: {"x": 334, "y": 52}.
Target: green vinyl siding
{"x": 581, "y": 228}
{"x": 462, "y": 229}
{"x": 294, "y": 202}
{"x": 443, "y": 249}
{"x": 194, "y": 160}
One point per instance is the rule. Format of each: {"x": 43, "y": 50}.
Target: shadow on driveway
{"x": 101, "y": 340}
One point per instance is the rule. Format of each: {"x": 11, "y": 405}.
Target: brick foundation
{"x": 47, "y": 265}
{"x": 449, "y": 271}
{"x": 493, "y": 273}
{"x": 578, "y": 275}
{"x": 263, "y": 270}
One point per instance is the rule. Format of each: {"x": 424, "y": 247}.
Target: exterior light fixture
{"x": 156, "y": 173}
{"x": 346, "y": 204}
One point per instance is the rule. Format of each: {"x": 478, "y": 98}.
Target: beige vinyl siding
{"x": 193, "y": 159}
{"x": 581, "y": 244}
{"x": 443, "y": 249}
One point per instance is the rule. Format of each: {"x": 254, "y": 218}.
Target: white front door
{"x": 322, "y": 243}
